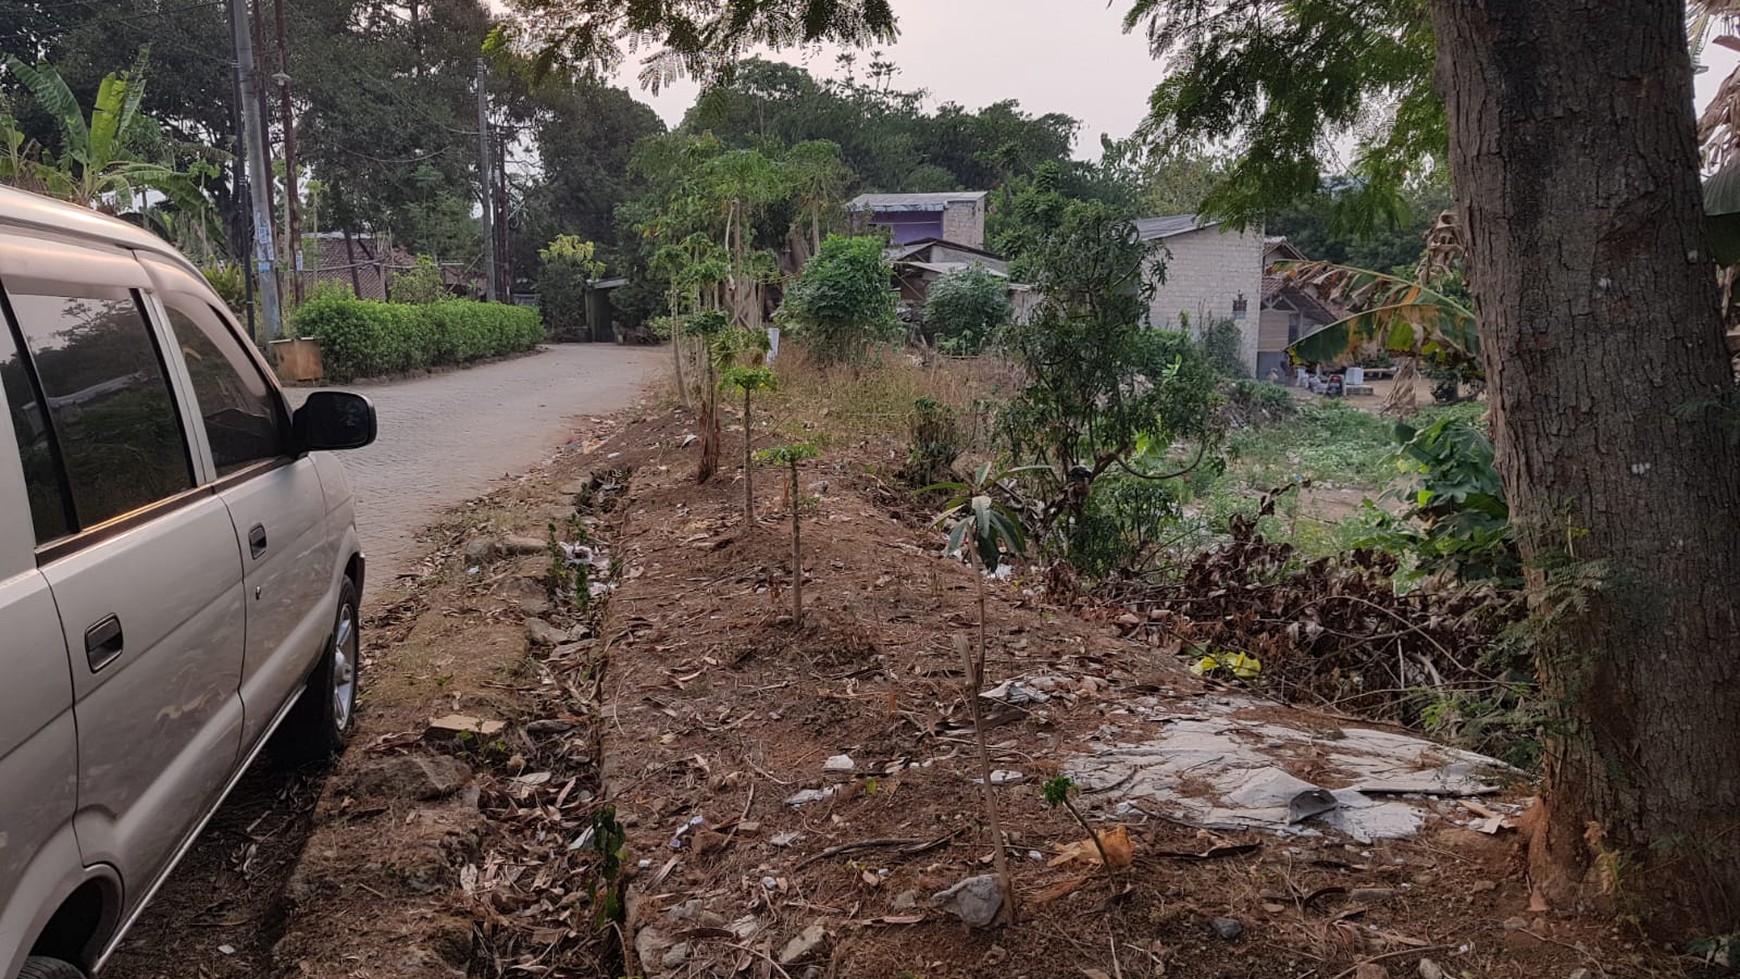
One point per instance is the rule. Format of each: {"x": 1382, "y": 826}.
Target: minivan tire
{"x": 316, "y": 728}
{"x": 41, "y": 968}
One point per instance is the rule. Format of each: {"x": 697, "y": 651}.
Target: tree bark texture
{"x": 1576, "y": 173}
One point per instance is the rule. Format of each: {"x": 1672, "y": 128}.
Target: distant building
{"x": 957, "y": 216}
{"x": 1212, "y": 273}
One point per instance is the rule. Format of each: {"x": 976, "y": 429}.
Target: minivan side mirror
{"x": 333, "y": 420}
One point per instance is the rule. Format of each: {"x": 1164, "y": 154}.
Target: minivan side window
{"x": 110, "y": 409}
{"x": 242, "y": 420}
{"x": 48, "y": 511}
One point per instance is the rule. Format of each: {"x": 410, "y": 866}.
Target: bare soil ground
{"x": 687, "y": 710}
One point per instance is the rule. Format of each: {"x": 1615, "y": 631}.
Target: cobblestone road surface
{"x": 446, "y": 437}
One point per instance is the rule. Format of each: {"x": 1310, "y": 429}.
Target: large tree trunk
{"x": 1576, "y": 176}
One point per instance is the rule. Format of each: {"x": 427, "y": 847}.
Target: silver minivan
{"x": 179, "y": 574}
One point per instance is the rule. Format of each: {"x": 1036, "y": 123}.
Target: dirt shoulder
{"x": 688, "y": 783}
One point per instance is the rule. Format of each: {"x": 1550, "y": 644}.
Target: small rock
{"x": 810, "y": 795}
{"x": 994, "y": 956}
{"x": 975, "y": 900}
{"x": 744, "y": 927}
{"x": 517, "y": 545}
{"x": 803, "y": 944}
{"x": 785, "y": 839}
{"x": 1002, "y": 777}
{"x": 549, "y": 725}
{"x": 1129, "y": 620}
{"x": 676, "y": 955}
{"x": 543, "y": 633}
{"x": 535, "y": 606}
{"x": 1227, "y": 928}
{"x": 1482, "y": 886}
{"x": 479, "y": 550}
{"x": 650, "y": 944}
{"x": 1518, "y": 923}
{"x": 905, "y": 901}
{"x": 839, "y": 763}
{"x": 1432, "y": 970}
{"x": 422, "y": 777}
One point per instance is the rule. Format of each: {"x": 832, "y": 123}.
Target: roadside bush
{"x": 964, "y": 308}
{"x": 1222, "y": 344}
{"x": 842, "y": 304}
{"x": 364, "y": 338}
{"x": 1126, "y": 525}
{"x": 229, "y": 282}
{"x": 419, "y": 285}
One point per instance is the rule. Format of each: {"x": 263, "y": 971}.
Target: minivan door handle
{"x": 103, "y": 642}
{"x": 257, "y": 540}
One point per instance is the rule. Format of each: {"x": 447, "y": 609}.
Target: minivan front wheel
{"x": 316, "y": 728}
{"x": 36, "y": 967}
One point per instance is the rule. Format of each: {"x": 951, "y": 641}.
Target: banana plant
{"x": 1395, "y": 315}
{"x": 96, "y": 167}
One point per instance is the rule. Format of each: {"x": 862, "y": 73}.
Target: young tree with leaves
{"x": 791, "y": 456}
{"x": 748, "y": 380}
{"x": 1097, "y": 381}
{"x": 987, "y": 533}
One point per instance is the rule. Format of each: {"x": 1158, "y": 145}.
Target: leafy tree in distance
{"x": 566, "y": 266}
{"x": 842, "y": 304}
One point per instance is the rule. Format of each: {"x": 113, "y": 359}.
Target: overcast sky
{"x": 1067, "y": 56}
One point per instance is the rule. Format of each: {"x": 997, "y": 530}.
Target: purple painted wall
{"x": 910, "y": 225}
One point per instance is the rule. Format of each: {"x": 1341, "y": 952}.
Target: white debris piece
{"x": 1245, "y": 763}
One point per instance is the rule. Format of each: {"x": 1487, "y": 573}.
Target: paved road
{"x": 446, "y": 437}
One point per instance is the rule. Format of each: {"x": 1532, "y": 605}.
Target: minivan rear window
{"x": 120, "y": 439}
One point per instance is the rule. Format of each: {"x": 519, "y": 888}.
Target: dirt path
{"x": 444, "y": 439}
{"x": 447, "y": 437}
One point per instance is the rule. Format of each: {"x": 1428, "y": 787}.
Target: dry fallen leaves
{"x": 1120, "y": 850}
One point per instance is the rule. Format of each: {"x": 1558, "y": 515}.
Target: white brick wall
{"x": 964, "y": 223}
{"x": 1206, "y": 270}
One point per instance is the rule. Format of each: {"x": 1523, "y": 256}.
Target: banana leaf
{"x": 1395, "y": 316}
{"x": 1722, "y": 213}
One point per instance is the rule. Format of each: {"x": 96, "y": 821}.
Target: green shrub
{"x": 363, "y": 338}
{"x": 934, "y": 443}
{"x": 421, "y": 284}
{"x": 1260, "y": 401}
{"x": 964, "y": 308}
{"x": 1222, "y": 346}
{"x": 842, "y": 304}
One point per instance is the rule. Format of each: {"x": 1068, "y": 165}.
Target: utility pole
{"x": 259, "y": 172}
{"x": 292, "y": 201}
{"x": 504, "y": 257}
{"x": 486, "y": 182}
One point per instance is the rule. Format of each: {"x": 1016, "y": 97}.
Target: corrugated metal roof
{"x": 947, "y": 267}
{"x": 1153, "y": 229}
{"x": 914, "y": 202}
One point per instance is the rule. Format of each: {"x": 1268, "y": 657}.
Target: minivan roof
{"x": 21, "y": 209}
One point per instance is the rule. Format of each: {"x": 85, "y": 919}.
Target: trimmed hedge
{"x": 364, "y": 338}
